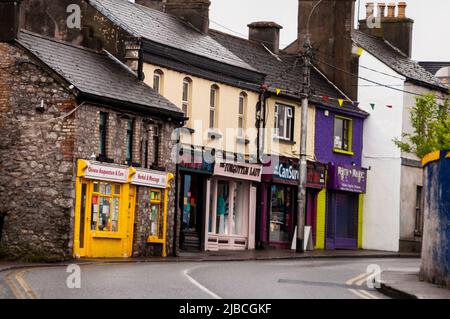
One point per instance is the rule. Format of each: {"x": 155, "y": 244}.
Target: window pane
{"x": 211, "y": 119}
{"x": 156, "y": 82}
{"x": 289, "y": 128}
{"x": 238, "y": 209}
{"x": 185, "y": 108}
{"x": 241, "y": 105}
{"x": 223, "y": 191}
{"x": 281, "y": 119}
{"x": 185, "y": 91}
{"x": 281, "y": 214}
{"x": 338, "y": 133}
{"x": 212, "y": 101}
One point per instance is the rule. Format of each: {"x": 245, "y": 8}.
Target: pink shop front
{"x": 231, "y": 208}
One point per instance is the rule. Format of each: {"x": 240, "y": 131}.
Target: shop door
{"x": 311, "y": 212}
{"x": 192, "y": 218}
{"x": 106, "y": 218}
{"x": 342, "y": 221}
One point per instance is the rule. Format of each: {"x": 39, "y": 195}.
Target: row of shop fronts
{"x": 228, "y": 205}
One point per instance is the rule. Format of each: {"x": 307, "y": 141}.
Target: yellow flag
{"x": 360, "y": 51}
{"x": 278, "y": 91}
{"x": 341, "y": 102}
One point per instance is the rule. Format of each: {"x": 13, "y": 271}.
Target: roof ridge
{"x": 75, "y": 46}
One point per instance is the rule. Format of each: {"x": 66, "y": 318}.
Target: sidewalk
{"x": 406, "y": 285}
{"x": 223, "y": 256}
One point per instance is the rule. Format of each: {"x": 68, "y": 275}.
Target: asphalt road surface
{"x": 287, "y": 279}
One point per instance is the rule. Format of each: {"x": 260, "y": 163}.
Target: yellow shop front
{"x": 104, "y": 211}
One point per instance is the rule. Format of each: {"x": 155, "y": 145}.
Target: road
{"x": 287, "y": 279}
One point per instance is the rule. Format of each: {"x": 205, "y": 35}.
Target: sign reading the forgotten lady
{"x": 347, "y": 178}
{"x": 240, "y": 170}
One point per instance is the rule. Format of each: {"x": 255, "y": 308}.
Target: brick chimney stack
{"x": 397, "y": 30}
{"x": 267, "y": 33}
{"x": 9, "y": 19}
{"x": 194, "y": 12}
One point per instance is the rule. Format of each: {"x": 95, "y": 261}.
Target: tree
{"x": 431, "y": 125}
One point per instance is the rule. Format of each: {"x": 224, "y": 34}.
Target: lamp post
{"x": 306, "y": 91}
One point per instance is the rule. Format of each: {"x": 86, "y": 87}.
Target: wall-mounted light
{"x": 93, "y": 156}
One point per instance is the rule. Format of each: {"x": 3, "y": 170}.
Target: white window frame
{"x": 213, "y": 108}
{"x": 158, "y": 74}
{"x": 185, "y": 104}
{"x": 288, "y": 122}
{"x": 241, "y": 116}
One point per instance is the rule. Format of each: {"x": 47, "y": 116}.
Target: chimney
{"x": 267, "y": 33}
{"x": 330, "y": 29}
{"x": 369, "y": 9}
{"x": 194, "y": 12}
{"x": 397, "y": 30}
{"x": 9, "y": 19}
{"x": 132, "y": 50}
{"x": 381, "y": 10}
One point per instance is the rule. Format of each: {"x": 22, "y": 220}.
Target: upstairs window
{"x": 342, "y": 135}
{"x": 186, "y": 100}
{"x": 158, "y": 81}
{"x": 213, "y": 104}
{"x": 129, "y": 142}
{"x": 102, "y": 134}
{"x": 283, "y": 125}
{"x": 242, "y": 113}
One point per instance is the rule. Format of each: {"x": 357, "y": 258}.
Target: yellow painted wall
{"x": 172, "y": 88}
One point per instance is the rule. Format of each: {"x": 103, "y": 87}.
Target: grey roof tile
{"x": 95, "y": 73}
{"x": 165, "y": 29}
{"x": 395, "y": 59}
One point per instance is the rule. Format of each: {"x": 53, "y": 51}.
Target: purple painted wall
{"x": 324, "y": 138}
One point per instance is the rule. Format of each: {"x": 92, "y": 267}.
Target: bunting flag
{"x": 372, "y": 105}
{"x": 325, "y": 98}
{"x": 389, "y": 106}
{"x": 355, "y": 104}
{"x": 360, "y": 51}
{"x": 341, "y": 102}
{"x": 278, "y": 91}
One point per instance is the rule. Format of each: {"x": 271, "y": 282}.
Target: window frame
{"x": 349, "y": 135}
{"x": 158, "y": 74}
{"x": 186, "y": 103}
{"x": 288, "y": 130}
{"x": 242, "y": 115}
{"x": 213, "y": 109}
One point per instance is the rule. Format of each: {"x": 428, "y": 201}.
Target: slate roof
{"x": 95, "y": 73}
{"x": 163, "y": 28}
{"x": 285, "y": 74}
{"x": 395, "y": 59}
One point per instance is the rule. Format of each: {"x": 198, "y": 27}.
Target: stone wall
{"x": 36, "y": 159}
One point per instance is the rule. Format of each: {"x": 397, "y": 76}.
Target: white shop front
{"x": 231, "y": 208}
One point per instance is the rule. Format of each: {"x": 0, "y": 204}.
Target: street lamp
{"x": 306, "y": 90}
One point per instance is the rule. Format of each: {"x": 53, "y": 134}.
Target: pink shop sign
{"x": 106, "y": 173}
{"x": 250, "y": 172}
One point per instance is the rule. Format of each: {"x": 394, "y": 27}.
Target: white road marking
{"x": 199, "y": 285}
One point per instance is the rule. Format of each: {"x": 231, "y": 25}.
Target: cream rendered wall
{"x": 199, "y": 114}
{"x": 381, "y": 214}
{"x": 273, "y": 146}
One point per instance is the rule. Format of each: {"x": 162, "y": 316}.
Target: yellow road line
{"x": 25, "y": 286}
{"x": 351, "y": 281}
{"x": 368, "y": 294}
{"x": 13, "y": 286}
{"x": 359, "y": 294}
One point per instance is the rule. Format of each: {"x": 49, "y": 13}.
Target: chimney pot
{"x": 402, "y": 9}
{"x": 391, "y": 10}
{"x": 381, "y": 10}
{"x": 369, "y": 9}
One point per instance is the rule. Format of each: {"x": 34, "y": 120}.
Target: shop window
{"x": 158, "y": 81}
{"x": 213, "y": 105}
{"x": 82, "y": 213}
{"x": 342, "y": 135}
{"x": 241, "y": 114}
{"x": 102, "y": 131}
{"x": 105, "y": 207}
{"x": 281, "y": 213}
{"x": 238, "y": 209}
{"x": 283, "y": 125}
{"x": 419, "y": 212}
{"x": 223, "y": 191}
{"x": 186, "y": 100}
{"x": 156, "y": 214}
{"x": 129, "y": 142}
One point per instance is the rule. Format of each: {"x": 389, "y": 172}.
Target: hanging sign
{"x": 149, "y": 178}
{"x": 104, "y": 172}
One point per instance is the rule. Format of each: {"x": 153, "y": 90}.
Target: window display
{"x": 223, "y": 191}
{"x": 281, "y": 213}
{"x": 105, "y": 207}
{"x": 156, "y": 214}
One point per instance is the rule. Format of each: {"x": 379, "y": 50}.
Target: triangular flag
{"x": 389, "y": 106}
{"x": 278, "y": 91}
{"x": 360, "y": 51}
{"x": 372, "y": 105}
{"x": 355, "y": 104}
{"x": 341, "y": 102}
{"x": 325, "y": 98}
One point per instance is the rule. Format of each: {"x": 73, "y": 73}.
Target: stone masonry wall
{"x": 36, "y": 166}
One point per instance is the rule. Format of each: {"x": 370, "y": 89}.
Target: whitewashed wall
{"x": 381, "y": 217}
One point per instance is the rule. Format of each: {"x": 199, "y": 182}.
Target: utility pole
{"x": 306, "y": 91}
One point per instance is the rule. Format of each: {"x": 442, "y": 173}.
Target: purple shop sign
{"x": 347, "y": 178}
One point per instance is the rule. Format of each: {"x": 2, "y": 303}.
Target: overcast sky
{"x": 431, "y": 40}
